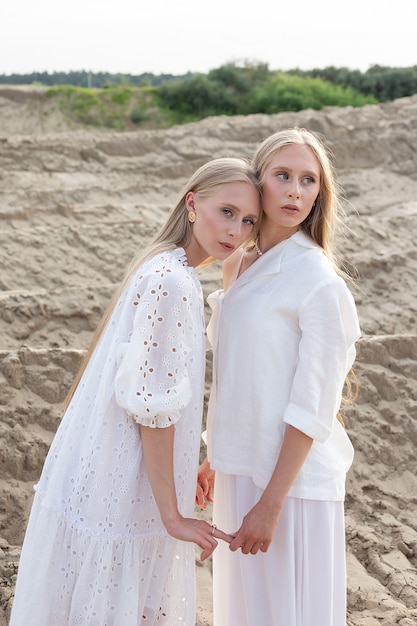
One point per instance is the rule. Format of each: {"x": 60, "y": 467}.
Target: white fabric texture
{"x": 299, "y": 581}
{"x": 96, "y": 552}
{"x": 298, "y": 322}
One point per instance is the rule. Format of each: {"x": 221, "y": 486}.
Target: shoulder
{"x": 167, "y": 264}
{"x": 316, "y": 263}
{"x": 319, "y": 274}
{"x": 166, "y": 270}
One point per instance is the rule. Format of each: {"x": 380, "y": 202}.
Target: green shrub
{"x": 83, "y": 105}
{"x": 137, "y": 116}
{"x": 284, "y": 92}
{"x": 119, "y": 95}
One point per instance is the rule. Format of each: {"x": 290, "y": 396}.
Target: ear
{"x": 189, "y": 201}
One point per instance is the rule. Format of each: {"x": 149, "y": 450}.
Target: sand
{"x": 75, "y": 206}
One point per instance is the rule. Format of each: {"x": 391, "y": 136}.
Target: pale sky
{"x": 177, "y": 36}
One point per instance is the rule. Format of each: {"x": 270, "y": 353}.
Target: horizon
{"x": 121, "y": 73}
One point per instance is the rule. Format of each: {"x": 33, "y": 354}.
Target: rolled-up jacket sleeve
{"x": 329, "y": 328}
{"x": 152, "y": 382}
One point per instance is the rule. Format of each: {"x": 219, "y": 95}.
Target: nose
{"x": 294, "y": 189}
{"x": 235, "y": 229}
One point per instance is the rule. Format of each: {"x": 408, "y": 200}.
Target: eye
{"x": 249, "y": 220}
{"x": 282, "y": 175}
{"x": 307, "y": 180}
{"x": 227, "y": 211}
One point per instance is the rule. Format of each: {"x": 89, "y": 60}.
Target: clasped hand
{"x": 258, "y": 526}
{"x": 202, "y": 533}
{"x": 256, "y": 532}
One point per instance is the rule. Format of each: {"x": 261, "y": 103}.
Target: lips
{"x": 228, "y": 247}
{"x": 292, "y": 208}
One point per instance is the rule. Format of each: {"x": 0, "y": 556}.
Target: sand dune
{"x": 75, "y": 207}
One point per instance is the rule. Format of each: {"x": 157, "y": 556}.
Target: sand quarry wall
{"x": 76, "y": 206}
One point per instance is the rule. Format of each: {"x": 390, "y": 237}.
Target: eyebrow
{"x": 290, "y": 169}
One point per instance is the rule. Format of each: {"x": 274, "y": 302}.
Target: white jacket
{"x": 283, "y": 336}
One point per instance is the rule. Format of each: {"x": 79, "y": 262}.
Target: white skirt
{"x": 299, "y": 581}
{"x": 69, "y": 576}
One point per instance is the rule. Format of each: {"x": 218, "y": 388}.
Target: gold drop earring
{"x": 191, "y": 217}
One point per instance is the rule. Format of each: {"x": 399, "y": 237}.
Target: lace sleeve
{"x": 152, "y": 381}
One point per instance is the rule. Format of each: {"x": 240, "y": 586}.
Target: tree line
{"x": 238, "y": 89}
{"x": 384, "y": 83}
{"x": 84, "y": 78}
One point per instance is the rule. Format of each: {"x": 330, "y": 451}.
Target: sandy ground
{"x": 75, "y": 206}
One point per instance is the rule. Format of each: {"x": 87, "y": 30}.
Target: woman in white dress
{"x": 283, "y": 332}
{"x": 110, "y": 539}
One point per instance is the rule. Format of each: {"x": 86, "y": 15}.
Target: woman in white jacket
{"x": 283, "y": 332}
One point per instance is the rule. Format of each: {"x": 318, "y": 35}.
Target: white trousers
{"x": 299, "y": 581}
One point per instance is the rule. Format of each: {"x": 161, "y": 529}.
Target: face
{"x": 291, "y": 185}
{"x": 224, "y": 221}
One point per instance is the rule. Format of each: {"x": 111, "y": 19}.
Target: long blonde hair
{"x": 176, "y": 232}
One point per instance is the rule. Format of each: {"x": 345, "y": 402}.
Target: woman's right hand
{"x": 198, "y": 531}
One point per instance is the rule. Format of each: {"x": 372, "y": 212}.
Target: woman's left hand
{"x": 205, "y": 485}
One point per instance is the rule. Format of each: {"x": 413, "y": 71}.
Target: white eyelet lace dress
{"x": 95, "y": 550}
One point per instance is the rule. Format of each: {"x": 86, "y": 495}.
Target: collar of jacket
{"x": 270, "y": 261}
